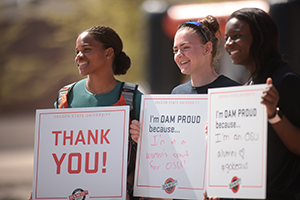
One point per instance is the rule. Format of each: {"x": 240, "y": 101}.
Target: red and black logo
{"x": 235, "y": 184}
{"x": 78, "y": 194}
{"x": 169, "y": 185}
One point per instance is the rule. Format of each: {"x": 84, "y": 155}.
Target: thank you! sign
{"x": 81, "y": 153}
{"x": 172, "y": 147}
{"x": 237, "y": 142}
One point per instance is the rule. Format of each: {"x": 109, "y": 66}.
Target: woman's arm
{"x": 288, "y": 132}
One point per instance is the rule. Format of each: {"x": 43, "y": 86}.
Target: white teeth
{"x": 80, "y": 64}
{"x": 233, "y": 52}
{"x": 183, "y": 62}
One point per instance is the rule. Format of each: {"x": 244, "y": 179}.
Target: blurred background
{"x": 37, "y": 41}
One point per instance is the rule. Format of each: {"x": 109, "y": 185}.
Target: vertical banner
{"x": 81, "y": 153}
{"x": 172, "y": 147}
{"x": 237, "y": 142}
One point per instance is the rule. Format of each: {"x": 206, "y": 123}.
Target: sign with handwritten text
{"x": 172, "y": 147}
{"x": 77, "y": 150}
{"x": 237, "y": 142}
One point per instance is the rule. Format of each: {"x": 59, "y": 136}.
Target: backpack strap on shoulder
{"x": 128, "y": 91}
{"x": 62, "y": 100}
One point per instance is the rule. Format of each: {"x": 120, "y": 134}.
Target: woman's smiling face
{"x": 188, "y": 49}
{"x": 238, "y": 40}
{"x": 90, "y": 55}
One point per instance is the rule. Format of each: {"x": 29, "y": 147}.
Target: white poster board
{"x": 172, "y": 147}
{"x": 237, "y": 142}
{"x": 81, "y": 152}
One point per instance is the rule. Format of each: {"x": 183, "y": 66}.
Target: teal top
{"x": 80, "y": 97}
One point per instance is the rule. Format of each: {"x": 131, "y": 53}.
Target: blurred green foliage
{"x": 38, "y": 39}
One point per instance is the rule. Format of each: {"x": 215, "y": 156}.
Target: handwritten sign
{"x": 81, "y": 153}
{"x": 237, "y": 142}
{"x": 172, "y": 147}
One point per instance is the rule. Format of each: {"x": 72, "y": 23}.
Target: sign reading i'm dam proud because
{"x": 77, "y": 150}
{"x": 237, "y": 142}
{"x": 172, "y": 147}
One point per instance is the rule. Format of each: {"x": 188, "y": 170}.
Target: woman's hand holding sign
{"x": 134, "y": 130}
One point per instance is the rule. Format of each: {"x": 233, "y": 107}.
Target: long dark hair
{"x": 264, "y": 48}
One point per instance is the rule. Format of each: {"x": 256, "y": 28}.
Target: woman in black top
{"x": 252, "y": 40}
{"x": 196, "y": 54}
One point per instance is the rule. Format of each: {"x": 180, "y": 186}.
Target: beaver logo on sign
{"x": 235, "y": 184}
{"x": 169, "y": 185}
{"x": 78, "y": 194}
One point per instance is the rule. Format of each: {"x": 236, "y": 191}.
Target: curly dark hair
{"x": 109, "y": 38}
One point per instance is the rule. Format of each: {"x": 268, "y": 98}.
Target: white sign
{"x": 172, "y": 147}
{"x": 81, "y": 152}
{"x": 237, "y": 142}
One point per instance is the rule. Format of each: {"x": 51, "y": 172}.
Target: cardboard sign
{"x": 237, "y": 142}
{"x": 172, "y": 147}
{"x": 81, "y": 153}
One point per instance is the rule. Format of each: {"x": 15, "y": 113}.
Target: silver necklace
{"x": 102, "y": 91}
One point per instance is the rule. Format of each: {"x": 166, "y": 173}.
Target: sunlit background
{"x": 37, "y": 40}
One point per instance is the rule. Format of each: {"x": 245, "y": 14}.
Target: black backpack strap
{"x": 129, "y": 91}
{"x": 63, "y": 92}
